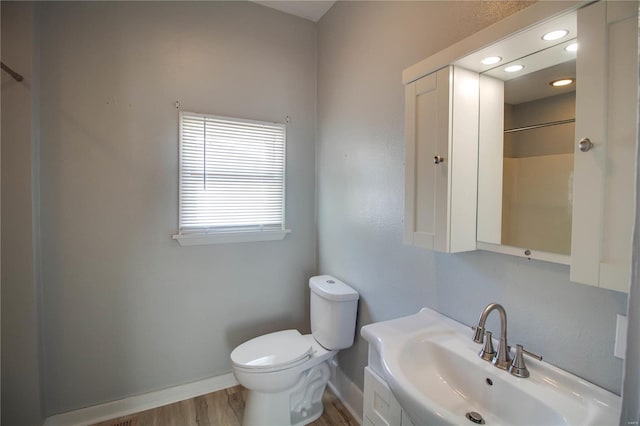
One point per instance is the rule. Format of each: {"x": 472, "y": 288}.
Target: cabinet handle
{"x": 585, "y": 144}
{"x": 438, "y": 159}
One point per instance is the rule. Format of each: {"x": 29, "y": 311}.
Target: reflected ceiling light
{"x": 562, "y": 82}
{"x": 572, "y": 47}
{"x": 491, "y": 60}
{"x": 513, "y": 68}
{"x": 555, "y": 35}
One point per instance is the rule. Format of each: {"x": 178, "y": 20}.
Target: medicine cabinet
{"x": 441, "y": 152}
{"x": 555, "y": 165}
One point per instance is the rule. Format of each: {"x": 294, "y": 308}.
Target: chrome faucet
{"x": 501, "y": 359}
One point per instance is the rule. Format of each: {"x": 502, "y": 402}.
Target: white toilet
{"x": 286, "y": 372}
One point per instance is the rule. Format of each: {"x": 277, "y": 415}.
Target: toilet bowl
{"x": 286, "y": 372}
{"x": 289, "y": 391}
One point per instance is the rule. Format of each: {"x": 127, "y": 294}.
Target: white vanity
{"x": 498, "y": 158}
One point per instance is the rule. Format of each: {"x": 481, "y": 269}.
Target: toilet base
{"x": 297, "y": 406}
{"x": 263, "y": 409}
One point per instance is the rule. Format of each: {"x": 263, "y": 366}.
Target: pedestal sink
{"x": 431, "y": 366}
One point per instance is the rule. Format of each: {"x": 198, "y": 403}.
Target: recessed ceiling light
{"x": 572, "y": 47}
{"x": 491, "y": 60}
{"x": 513, "y": 68}
{"x": 555, "y": 35}
{"x": 562, "y": 82}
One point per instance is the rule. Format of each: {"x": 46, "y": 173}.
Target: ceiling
{"x": 312, "y": 10}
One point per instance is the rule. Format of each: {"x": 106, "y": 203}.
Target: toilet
{"x": 286, "y": 372}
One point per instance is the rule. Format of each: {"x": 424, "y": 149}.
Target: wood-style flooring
{"x": 222, "y": 408}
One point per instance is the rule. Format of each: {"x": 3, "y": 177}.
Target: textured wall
{"x": 125, "y": 308}
{"x": 362, "y": 49}
{"x": 20, "y": 370}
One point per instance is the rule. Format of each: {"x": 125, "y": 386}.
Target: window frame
{"x": 222, "y": 236}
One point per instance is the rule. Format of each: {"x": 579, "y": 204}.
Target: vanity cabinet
{"x": 441, "y": 160}
{"x": 604, "y": 173}
{"x": 380, "y": 406}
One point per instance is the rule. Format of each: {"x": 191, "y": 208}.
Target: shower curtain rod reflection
{"x": 11, "y": 72}
{"x": 538, "y": 126}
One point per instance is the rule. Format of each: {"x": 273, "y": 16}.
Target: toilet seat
{"x": 272, "y": 352}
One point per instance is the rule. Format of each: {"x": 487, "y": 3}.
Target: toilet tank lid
{"x": 332, "y": 288}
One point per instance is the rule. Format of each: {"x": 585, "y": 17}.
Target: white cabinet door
{"x": 406, "y": 420}
{"x": 441, "y": 149}
{"x": 380, "y": 406}
{"x": 606, "y": 113}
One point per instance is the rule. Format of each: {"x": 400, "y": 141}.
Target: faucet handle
{"x": 478, "y": 333}
{"x": 531, "y": 354}
{"x": 518, "y": 367}
{"x": 487, "y": 352}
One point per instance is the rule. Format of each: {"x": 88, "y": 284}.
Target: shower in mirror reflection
{"x": 527, "y": 128}
{"x": 538, "y": 160}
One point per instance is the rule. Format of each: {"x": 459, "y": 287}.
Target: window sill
{"x": 229, "y": 237}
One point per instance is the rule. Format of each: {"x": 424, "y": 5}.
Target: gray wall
{"x": 20, "y": 377}
{"x": 125, "y": 308}
{"x": 362, "y": 49}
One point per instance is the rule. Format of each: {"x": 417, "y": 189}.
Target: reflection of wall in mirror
{"x": 546, "y": 140}
{"x": 537, "y": 175}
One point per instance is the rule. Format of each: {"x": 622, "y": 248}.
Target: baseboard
{"x": 347, "y": 392}
{"x": 137, "y": 403}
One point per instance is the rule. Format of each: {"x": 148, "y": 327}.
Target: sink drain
{"x": 475, "y": 417}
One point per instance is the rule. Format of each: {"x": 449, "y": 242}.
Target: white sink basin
{"x": 431, "y": 365}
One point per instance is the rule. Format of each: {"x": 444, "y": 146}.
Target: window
{"x": 232, "y": 180}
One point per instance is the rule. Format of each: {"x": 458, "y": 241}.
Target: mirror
{"x": 526, "y": 145}
{"x": 537, "y": 163}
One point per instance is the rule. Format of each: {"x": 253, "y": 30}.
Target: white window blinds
{"x": 232, "y": 174}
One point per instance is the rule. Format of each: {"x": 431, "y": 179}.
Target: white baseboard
{"x": 347, "y": 392}
{"x": 137, "y": 403}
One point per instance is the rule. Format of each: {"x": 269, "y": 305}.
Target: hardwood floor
{"x": 222, "y": 408}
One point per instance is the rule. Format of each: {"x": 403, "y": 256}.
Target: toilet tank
{"x": 333, "y": 312}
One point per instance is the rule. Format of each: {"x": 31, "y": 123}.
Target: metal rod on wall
{"x": 11, "y": 72}
{"x": 537, "y": 126}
